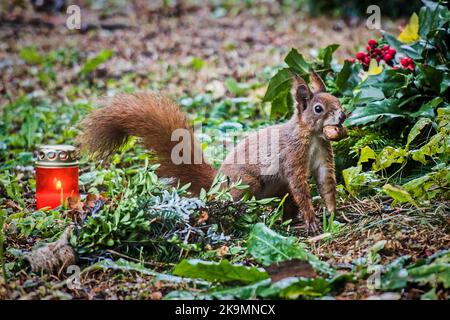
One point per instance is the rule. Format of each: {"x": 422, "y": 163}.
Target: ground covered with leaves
{"x": 134, "y": 236}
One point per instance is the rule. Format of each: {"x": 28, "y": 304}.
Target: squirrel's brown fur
{"x": 302, "y": 149}
{"x": 153, "y": 118}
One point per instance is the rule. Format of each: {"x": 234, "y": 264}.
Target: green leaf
{"x": 395, "y": 276}
{"x": 398, "y": 194}
{"x": 280, "y": 84}
{"x": 348, "y": 78}
{"x": 413, "y": 51}
{"x": 31, "y": 55}
{"x": 436, "y": 145}
{"x": 388, "y": 156}
{"x": 250, "y": 291}
{"x": 238, "y": 89}
{"x": 432, "y": 16}
{"x": 197, "y": 63}
{"x": 326, "y": 54}
{"x": 268, "y": 247}
{"x": 389, "y": 81}
{"x": 223, "y": 271}
{"x": 416, "y": 129}
{"x": 92, "y": 64}
{"x": 293, "y": 288}
{"x": 297, "y": 63}
{"x": 427, "y": 110}
{"x": 366, "y": 154}
{"x": 432, "y": 77}
{"x": 281, "y": 106}
{"x": 383, "y": 111}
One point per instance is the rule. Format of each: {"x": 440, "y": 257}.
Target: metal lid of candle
{"x": 57, "y": 155}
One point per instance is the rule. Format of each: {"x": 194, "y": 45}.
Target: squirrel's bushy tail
{"x": 152, "y": 118}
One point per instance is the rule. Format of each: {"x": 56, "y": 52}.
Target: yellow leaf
{"x": 411, "y": 31}
{"x": 374, "y": 68}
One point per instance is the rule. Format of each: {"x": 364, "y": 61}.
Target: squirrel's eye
{"x": 318, "y": 108}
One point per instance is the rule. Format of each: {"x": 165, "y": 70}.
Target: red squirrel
{"x": 303, "y": 146}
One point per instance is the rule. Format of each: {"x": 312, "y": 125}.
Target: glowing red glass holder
{"x": 56, "y": 175}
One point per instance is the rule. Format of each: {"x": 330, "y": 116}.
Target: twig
{"x": 150, "y": 263}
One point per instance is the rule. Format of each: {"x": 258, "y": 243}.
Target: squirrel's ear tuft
{"x": 302, "y": 92}
{"x": 317, "y": 83}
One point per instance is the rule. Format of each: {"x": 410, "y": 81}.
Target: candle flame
{"x": 58, "y": 185}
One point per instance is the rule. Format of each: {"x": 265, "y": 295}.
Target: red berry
{"x": 386, "y": 47}
{"x": 368, "y": 48}
{"x": 366, "y": 60}
{"x": 392, "y": 52}
{"x": 372, "y": 42}
{"x": 411, "y": 67}
{"x": 404, "y": 62}
{"x": 360, "y": 55}
{"x": 377, "y": 51}
{"x": 351, "y": 60}
{"x": 387, "y": 57}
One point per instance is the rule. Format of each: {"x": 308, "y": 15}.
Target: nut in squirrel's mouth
{"x": 334, "y": 132}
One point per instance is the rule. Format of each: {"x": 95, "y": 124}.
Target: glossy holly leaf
{"x": 382, "y": 111}
{"x": 348, "y": 78}
{"x": 298, "y": 64}
{"x": 326, "y": 55}
{"x": 279, "y": 85}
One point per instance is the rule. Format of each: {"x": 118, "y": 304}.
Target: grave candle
{"x": 56, "y": 175}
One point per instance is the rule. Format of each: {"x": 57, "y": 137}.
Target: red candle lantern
{"x": 56, "y": 175}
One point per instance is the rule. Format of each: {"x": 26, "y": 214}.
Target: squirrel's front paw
{"x": 312, "y": 227}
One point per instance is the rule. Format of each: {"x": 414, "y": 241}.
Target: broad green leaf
{"x": 368, "y": 94}
{"x": 411, "y": 31}
{"x": 93, "y": 63}
{"x": 436, "y": 145}
{"x": 389, "y": 81}
{"x": 223, "y": 271}
{"x": 427, "y": 110}
{"x": 416, "y": 129}
{"x": 281, "y": 106}
{"x": 326, "y": 54}
{"x": 293, "y": 288}
{"x": 348, "y": 78}
{"x": 250, "y": 291}
{"x": 398, "y": 194}
{"x": 268, "y": 247}
{"x": 432, "y": 16}
{"x": 396, "y": 275}
{"x": 382, "y": 111}
{"x": 366, "y": 154}
{"x": 297, "y": 63}
{"x": 432, "y": 77}
{"x": 280, "y": 84}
